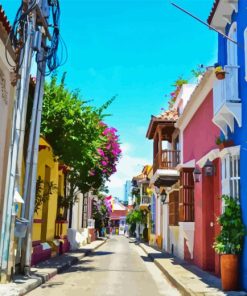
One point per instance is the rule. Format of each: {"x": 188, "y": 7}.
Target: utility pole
{"x": 31, "y": 162}
{"x": 35, "y": 34}
{"x": 12, "y": 179}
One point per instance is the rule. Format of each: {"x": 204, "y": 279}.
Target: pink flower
{"x": 101, "y": 152}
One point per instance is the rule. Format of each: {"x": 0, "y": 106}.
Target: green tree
{"x": 73, "y": 129}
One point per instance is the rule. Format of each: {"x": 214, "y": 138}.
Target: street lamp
{"x": 197, "y": 175}
{"x": 209, "y": 168}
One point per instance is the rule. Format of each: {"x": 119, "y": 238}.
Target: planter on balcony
{"x": 220, "y": 73}
{"x": 226, "y": 144}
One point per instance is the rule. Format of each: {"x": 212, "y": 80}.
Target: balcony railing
{"x": 145, "y": 199}
{"x": 166, "y": 159}
{"x": 226, "y": 90}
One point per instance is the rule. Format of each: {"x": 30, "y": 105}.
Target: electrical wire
{"x": 17, "y": 35}
{"x": 56, "y": 51}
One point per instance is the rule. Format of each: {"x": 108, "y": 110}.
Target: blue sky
{"x": 135, "y": 49}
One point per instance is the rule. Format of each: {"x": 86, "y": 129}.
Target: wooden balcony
{"x": 227, "y": 104}
{"x": 166, "y": 159}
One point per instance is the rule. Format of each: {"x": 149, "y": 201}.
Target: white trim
{"x": 232, "y": 48}
{"x": 160, "y": 172}
{"x": 197, "y": 98}
{"x": 216, "y": 153}
{"x": 187, "y": 230}
{"x": 211, "y": 155}
{"x": 169, "y": 191}
{"x": 181, "y": 140}
{"x": 223, "y": 13}
{"x": 245, "y": 52}
{"x": 184, "y": 94}
{"x": 188, "y": 164}
{"x": 233, "y": 151}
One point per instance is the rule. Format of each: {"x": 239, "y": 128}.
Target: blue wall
{"x": 240, "y": 134}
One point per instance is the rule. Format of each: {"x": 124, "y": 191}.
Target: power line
{"x": 205, "y": 24}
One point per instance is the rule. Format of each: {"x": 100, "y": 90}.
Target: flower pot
{"x": 220, "y": 75}
{"x": 226, "y": 144}
{"x": 229, "y": 272}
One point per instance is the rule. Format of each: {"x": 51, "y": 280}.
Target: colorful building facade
{"x": 49, "y": 233}
{"x": 230, "y": 105}
{"x": 200, "y": 205}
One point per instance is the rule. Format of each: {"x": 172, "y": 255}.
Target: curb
{"x": 175, "y": 282}
{"x": 183, "y": 289}
{"x": 43, "y": 274}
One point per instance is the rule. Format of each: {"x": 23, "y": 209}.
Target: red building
{"x": 118, "y": 217}
{"x": 185, "y": 205}
{"x": 198, "y": 134}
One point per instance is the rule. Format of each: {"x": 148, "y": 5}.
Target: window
{"x": 186, "y": 195}
{"x": 174, "y": 208}
{"x": 231, "y": 175}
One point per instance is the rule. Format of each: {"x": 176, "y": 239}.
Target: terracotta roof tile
{"x": 4, "y": 20}
{"x": 169, "y": 115}
{"x": 215, "y": 5}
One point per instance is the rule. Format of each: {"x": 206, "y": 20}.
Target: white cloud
{"x": 128, "y": 167}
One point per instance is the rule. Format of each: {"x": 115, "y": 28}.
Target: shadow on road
{"x": 100, "y": 253}
{"x": 51, "y": 284}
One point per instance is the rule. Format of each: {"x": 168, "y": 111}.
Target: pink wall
{"x": 199, "y": 139}
{"x": 201, "y": 133}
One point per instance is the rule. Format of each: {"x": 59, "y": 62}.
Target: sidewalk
{"x": 187, "y": 278}
{"x": 42, "y": 272}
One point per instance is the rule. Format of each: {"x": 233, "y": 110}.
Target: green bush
{"x": 230, "y": 239}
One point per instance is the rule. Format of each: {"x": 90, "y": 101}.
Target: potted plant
{"x": 223, "y": 143}
{"x": 229, "y": 242}
{"x": 220, "y": 73}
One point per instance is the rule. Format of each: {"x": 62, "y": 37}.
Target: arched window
{"x": 232, "y": 49}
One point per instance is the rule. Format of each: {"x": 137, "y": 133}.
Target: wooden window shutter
{"x": 173, "y": 208}
{"x": 186, "y": 195}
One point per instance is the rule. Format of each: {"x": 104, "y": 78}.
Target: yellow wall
{"x": 48, "y": 212}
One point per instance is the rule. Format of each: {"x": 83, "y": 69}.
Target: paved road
{"x": 118, "y": 268}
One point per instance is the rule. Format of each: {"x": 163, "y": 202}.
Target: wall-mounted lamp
{"x": 197, "y": 175}
{"x": 209, "y": 168}
{"x": 163, "y": 197}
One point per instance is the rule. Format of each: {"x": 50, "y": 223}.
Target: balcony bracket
{"x": 226, "y": 115}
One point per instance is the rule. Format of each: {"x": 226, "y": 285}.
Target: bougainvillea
{"x": 110, "y": 151}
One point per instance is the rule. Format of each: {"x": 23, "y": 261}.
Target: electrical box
{"x": 45, "y": 8}
{"x": 37, "y": 41}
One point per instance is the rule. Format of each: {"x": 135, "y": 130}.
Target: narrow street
{"x": 117, "y": 268}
